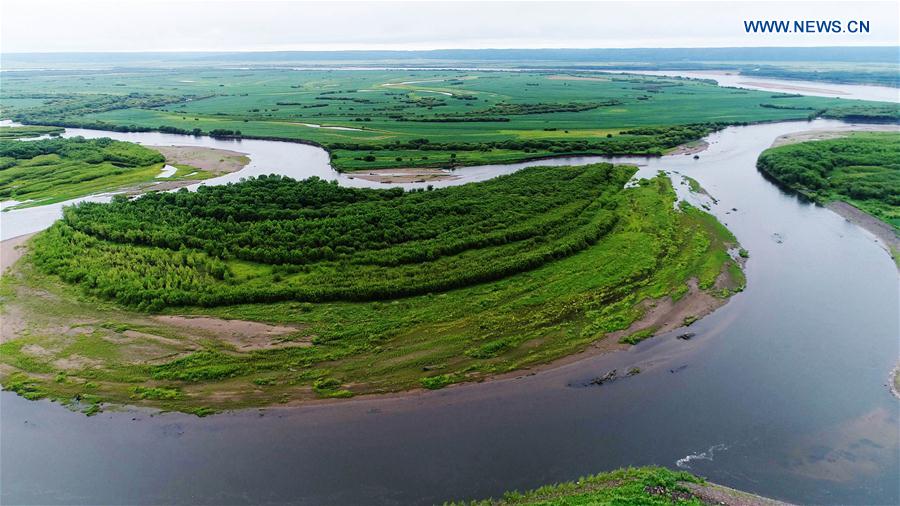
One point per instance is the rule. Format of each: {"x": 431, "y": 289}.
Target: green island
{"x": 861, "y": 168}
{"x": 25, "y": 132}
{"x": 45, "y": 171}
{"x": 635, "y": 485}
{"x": 856, "y": 174}
{"x": 274, "y": 291}
{"x": 375, "y": 119}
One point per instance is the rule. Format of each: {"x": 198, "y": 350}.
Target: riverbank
{"x": 838, "y": 201}
{"x": 823, "y": 135}
{"x": 886, "y": 234}
{"x": 11, "y": 250}
{"x": 642, "y": 485}
{"x": 690, "y": 148}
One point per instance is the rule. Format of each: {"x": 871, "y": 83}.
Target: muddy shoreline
{"x": 885, "y": 233}
{"x": 11, "y": 250}
{"x": 887, "y": 236}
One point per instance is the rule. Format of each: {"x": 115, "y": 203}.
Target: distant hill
{"x": 879, "y": 54}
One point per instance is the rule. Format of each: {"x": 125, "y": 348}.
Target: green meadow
{"x": 377, "y": 119}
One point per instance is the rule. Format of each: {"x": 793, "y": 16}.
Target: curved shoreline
{"x": 887, "y": 237}
{"x": 11, "y": 250}
{"x": 894, "y": 381}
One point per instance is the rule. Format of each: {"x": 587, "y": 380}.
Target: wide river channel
{"x": 782, "y": 392}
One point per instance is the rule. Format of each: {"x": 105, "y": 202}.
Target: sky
{"x": 246, "y": 25}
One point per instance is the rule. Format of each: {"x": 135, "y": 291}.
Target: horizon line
{"x": 145, "y": 51}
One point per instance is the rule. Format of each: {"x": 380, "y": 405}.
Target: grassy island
{"x": 27, "y": 132}
{"x": 45, "y": 171}
{"x": 200, "y": 301}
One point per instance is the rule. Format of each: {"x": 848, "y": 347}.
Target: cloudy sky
{"x": 199, "y": 25}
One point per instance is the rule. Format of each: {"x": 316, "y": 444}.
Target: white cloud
{"x": 169, "y": 25}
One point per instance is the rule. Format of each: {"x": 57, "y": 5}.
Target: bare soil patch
{"x": 12, "y": 322}
{"x": 690, "y": 148}
{"x": 11, "y": 250}
{"x": 217, "y": 161}
{"x": 880, "y": 229}
{"x": 665, "y": 314}
{"x": 75, "y": 363}
{"x": 389, "y": 176}
{"x": 36, "y": 350}
{"x": 243, "y": 335}
{"x": 821, "y": 135}
{"x": 711, "y": 493}
{"x": 134, "y": 334}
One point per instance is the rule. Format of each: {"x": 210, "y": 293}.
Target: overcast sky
{"x": 198, "y": 25}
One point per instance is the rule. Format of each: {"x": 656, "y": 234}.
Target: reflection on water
{"x": 788, "y": 377}
{"x": 849, "y": 451}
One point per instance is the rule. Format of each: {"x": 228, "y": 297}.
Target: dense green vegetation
{"x": 53, "y": 170}
{"x": 23, "y": 132}
{"x": 274, "y": 238}
{"x": 864, "y": 113}
{"x": 643, "y": 485}
{"x": 541, "y": 304}
{"x": 379, "y": 119}
{"x": 58, "y": 169}
{"x": 862, "y": 169}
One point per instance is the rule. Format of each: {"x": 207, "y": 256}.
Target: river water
{"x": 763, "y": 83}
{"x": 783, "y": 391}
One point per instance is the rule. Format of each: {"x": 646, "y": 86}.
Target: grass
{"x": 694, "y": 185}
{"x": 314, "y": 241}
{"x": 641, "y": 485}
{"x": 862, "y": 169}
{"x": 431, "y": 340}
{"x": 378, "y": 112}
{"x": 23, "y": 132}
{"x": 47, "y": 171}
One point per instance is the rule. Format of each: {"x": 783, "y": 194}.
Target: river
{"x": 811, "y": 88}
{"x": 781, "y": 392}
